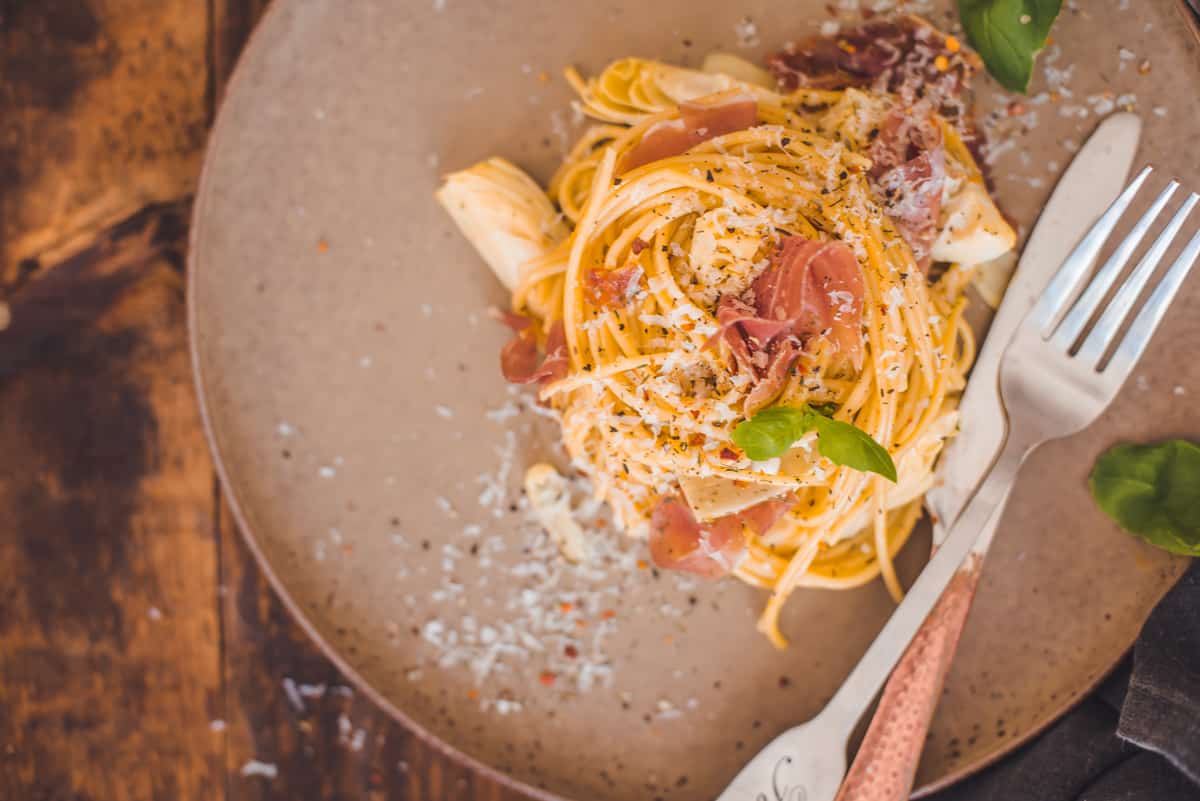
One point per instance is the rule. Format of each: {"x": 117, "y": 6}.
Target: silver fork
{"x": 1051, "y": 389}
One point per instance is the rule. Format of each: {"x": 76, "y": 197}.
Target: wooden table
{"x": 142, "y": 654}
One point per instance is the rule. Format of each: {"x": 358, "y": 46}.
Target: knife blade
{"x": 886, "y": 763}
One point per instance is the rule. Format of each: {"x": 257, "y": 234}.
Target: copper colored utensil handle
{"x": 886, "y": 762}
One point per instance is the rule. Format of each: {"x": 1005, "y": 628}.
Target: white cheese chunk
{"x": 714, "y": 496}
{"x": 972, "y": 229}
{"x": 550, "y": 499}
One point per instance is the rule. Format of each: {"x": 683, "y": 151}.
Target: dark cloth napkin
{"x": 1137, "y": 738}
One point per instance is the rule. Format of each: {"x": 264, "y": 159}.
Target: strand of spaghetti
{"x": 850, "y": 574}
{"x": 886, "y": 566}
{"x": 576, "y": 380}
{"x": 768, "y": 621}
{"x": 572, "y": 291}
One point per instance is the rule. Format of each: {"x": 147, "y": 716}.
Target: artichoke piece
{"x": 631, "y": 89}
{"x": 738, "y": 68}
{"x": 504, "y": 214}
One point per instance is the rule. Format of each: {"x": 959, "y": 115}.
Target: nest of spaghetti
{"x": 721, "y": 253}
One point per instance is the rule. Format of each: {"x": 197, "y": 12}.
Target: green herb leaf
{"x": 850, "y": 446}
{"x": 771, "y": 432}
{"x": 1008, "y": 35}
{"x": 1153, "y": 492}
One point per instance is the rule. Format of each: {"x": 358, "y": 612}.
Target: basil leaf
{"x": 1153, "y": 492}
{"x": 1008, "y": 34}
{"x": 772, "y": 431}
{"x": 827, "y": 409}
{"x": 850, "y": 446}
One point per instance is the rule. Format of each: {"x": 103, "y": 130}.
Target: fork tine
{"x": 1073, "y": 324}
{"x": 1145, "y": 324}
{"x": 1105, "y": 331}
{"x": 1063, "y": 286}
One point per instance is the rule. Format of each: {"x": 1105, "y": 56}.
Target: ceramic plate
{"x": 348, "y": 374}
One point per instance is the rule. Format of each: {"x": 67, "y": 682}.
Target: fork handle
{"x": 864, "y": 682}
{"x": 886, "y": 763}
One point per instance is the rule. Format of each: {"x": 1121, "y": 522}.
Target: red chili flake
{"x": 608, "y": 614}
{"x": 547, "y": 678}
{"x": 565, "y": 607}
{"x": 729, "y": 455}
{"x": 1016, "y": 108}
{"x": 473, "y": 694}
{"x": 642, "y": 564}
{"x": 580, "y": 623}
{"x": 571, "y": 651}
{"x": 638, "y": 245}
{"x": 322, "y": 246}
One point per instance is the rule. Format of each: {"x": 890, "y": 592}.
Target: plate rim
{"x": 229, "y": 493}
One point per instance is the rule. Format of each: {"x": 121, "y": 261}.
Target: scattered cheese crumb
{"x": 267, "y": 770}
{"x": 293, "y": 694}
{"x": 747, "y": 32}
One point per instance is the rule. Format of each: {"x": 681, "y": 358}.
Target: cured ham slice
{"x": 817, "y": 287}
{"x": 712, "y": 549}
{"x": 909, "y": 173}
{"x": 699, "y": 121}
{"x": 611, "y": 289}
{"x": 810, "y": 289}
{"x": 520, "y": 360}
{"x": 905, "y": 56}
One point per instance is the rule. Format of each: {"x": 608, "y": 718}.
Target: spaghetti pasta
{"x": 678, "y": 213}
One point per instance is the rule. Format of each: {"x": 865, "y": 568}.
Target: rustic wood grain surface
{"x": 142, "y": 654}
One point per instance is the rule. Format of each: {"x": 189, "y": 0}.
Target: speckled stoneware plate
{"x": 348, "y": 374}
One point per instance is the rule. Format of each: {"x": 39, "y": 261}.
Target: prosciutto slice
{"x": 894, "y": 55}
{"x": 905, "y": 56}
{"x": 817, "y": 287}
{"x": 699, "y": 121}
{"x": 520, "y": 360}
{"x": 909, "y": 174}
{"x": 809, "y": 290}
{"x": 679, "y": 542}
{"x": 611, "y": 289}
